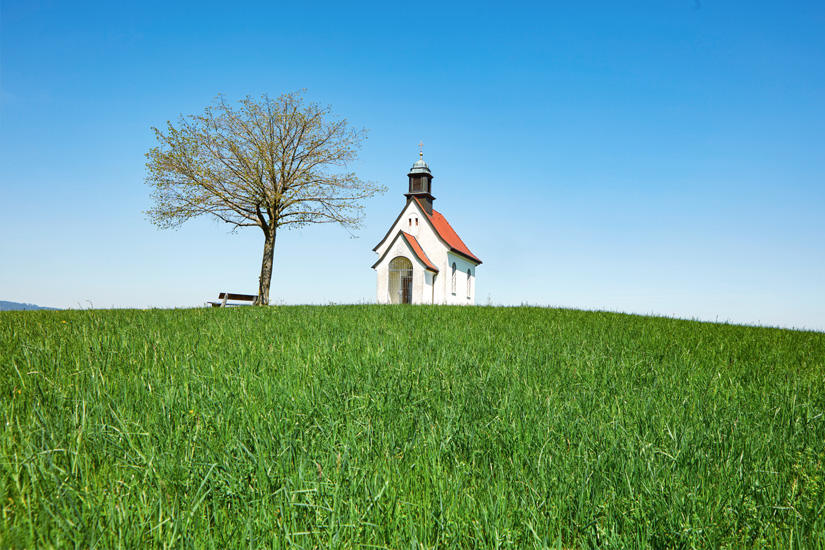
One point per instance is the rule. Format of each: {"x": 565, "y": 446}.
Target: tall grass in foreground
{"x": 407, "y": 427}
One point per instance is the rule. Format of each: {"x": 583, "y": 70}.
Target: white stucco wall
{"x": 460, "y": 296}
{"x": 382, "y": 291}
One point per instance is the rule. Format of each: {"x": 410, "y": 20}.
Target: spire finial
{"x": 421, "y": 149}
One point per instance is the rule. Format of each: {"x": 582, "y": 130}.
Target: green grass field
{"x": 407, "y": 427}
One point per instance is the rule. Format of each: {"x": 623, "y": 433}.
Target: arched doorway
{"x": 400, "y": 283}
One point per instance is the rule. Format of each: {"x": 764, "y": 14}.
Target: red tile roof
{"x": 448, "y": 234}
{"x": 419, "y": 252}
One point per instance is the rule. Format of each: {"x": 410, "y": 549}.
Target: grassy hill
{"x": 407, "y": 427}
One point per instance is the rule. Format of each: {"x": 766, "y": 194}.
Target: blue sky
{"x": 651, "y": 157}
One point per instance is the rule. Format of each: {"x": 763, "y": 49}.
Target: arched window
{"x": 453, "y": 279}
{"x": 400, "y": 283}
{"x": 469, "y": 282}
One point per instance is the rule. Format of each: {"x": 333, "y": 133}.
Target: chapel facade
{"x": 422, "y": 260}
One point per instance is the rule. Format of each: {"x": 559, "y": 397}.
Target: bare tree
{"x": 270, "y": 163}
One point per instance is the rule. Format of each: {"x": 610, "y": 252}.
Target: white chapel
{"x": 422, "y": 260}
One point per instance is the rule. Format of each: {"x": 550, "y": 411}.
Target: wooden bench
{"x": 225, "y": 296}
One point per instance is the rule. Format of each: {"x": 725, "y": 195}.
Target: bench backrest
{"x": 242, "y": 297}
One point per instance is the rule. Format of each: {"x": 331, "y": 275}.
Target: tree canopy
{"x": 268, "y": 163}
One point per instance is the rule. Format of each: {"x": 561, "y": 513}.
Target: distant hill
{"x": 17, "y": 306}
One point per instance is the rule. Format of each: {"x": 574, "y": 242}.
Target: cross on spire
{"x": 421, "y": 149}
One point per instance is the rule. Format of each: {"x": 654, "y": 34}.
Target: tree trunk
{"x": 266, "y": 266}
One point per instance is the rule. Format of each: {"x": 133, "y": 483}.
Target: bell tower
{"x": 421, "y": 182}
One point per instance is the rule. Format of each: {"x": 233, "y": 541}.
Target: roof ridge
{"x": 418, "y": 250}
